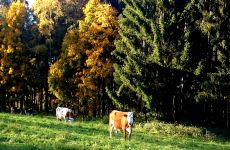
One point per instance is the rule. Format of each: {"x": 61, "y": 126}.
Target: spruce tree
{"x": 133, "y": 50}
{"x": 152, "y": 56}
{"x": 214, "y": 75}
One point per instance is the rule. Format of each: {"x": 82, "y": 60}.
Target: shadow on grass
{"x": 179, "y": 142}
{"x": 79, "y": 131}
{"x": 219, "y": 132}
{"x": 77, "y": 127}
{"x": 41, "y": 147}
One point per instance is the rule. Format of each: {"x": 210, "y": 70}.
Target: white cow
{"x": 63, "y": 113}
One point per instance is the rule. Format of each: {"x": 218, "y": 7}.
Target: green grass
{"x": 19, "y": 132}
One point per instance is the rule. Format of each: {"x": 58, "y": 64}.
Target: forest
{"x": 162, "y": 59}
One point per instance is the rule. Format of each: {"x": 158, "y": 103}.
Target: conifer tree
{"x": 134, "y": 48}
{"x": 214, "y": 75}
{"x": 152, "y": 55}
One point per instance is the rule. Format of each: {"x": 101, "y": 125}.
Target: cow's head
{"x": 69, "y": 115}
{"x": 130, "y": 118}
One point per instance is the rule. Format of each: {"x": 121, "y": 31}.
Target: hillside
{"x": 45, "y": 132}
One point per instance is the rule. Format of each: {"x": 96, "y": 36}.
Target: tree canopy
{"x": 161, "y": 59}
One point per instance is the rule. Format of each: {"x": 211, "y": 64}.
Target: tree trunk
{"x": 46, "y": 97}
{"x": 103, "y": 92}
{"x": 173, "y": 108}
{"x": 41, "y": 100}
{"x": 2, "y": 102}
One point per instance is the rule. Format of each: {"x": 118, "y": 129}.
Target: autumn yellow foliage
{"x": 97, "y": 31}
{"x": 16, "y": 15}
{"x": 47, "y": 15}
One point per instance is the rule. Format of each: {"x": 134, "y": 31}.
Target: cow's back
{"x": 116, "y": 118}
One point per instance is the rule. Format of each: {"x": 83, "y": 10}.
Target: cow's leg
{"x": 129, "y": 130}
{"x": 116, "y": 131}
{"x": 58, "y": 118}
{"x": 111, "y": 127}
{"x": 66, "y": 119}
{"x": 110, "y": 131}
{"x": 124, "y": 133}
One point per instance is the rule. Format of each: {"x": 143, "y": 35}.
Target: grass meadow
{"x": 20, "y": 132}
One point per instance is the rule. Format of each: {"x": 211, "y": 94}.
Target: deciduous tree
{"x": 13, "y": 59}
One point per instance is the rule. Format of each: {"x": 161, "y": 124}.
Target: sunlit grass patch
{"x": 45, "y": 132}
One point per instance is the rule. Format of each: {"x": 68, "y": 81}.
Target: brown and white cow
{"x": 63, "y": 113}
{"x": 121, "y": 120}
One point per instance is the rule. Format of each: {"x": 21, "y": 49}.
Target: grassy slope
{"x": 36, "y": 132}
